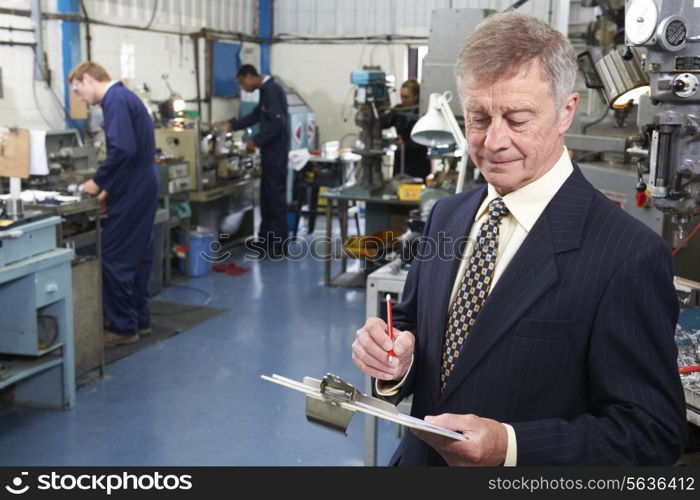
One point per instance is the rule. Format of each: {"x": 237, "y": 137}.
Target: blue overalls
{"x": 273, "y": 141}
{"x": 131, "y": 179}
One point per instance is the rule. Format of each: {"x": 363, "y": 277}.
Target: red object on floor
{"x": 689, "y": 369}
{"x": 230, "y": 268}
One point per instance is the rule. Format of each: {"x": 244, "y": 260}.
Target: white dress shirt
{"x": 525, "y": 206}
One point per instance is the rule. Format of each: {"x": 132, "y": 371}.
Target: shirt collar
{"x": 265, "y": 79}
{"x": 527, "y": 203}
{"x": 111, "y": 84}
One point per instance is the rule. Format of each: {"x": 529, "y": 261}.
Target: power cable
{"x": 686, "y": 240}
{"x": 88, "y": 37}
{"x": 596, "y": 121}
{"x": 345, "y": 102}
{"x": 233, "y": 35}
{"x": 153, "y": 16}
{"x": 516, "y": 5}
{"x": 292, "y": 38}
{"x": 53, "y": 93}
{"x": 36, "y": 100}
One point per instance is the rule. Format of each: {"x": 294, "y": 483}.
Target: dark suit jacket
{"x": 416, "y": 162}
{"x": 574, "y": 346}
{"x": 271, "y": 113}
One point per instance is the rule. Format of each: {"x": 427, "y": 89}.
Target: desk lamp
{"x": 438, "y": 128}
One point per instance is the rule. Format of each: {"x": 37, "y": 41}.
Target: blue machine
{"x": 301, "y": 118}
{"x": 371, "y": 85}
{"x": 371, "y": 105}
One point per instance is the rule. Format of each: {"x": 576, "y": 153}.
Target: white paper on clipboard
{"x": 366, "y": 406}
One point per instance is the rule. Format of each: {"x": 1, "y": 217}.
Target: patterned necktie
{"x": 471, "y": 295}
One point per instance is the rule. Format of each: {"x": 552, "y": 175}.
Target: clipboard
{"x": 332, "y": 402}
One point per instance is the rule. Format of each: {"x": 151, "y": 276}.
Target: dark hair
{"x": 247, "y": 69}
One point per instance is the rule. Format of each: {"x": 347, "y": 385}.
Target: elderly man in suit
{"x": 548, "y": 339}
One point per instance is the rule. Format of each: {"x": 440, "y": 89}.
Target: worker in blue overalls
{"x": 127, "y": 185}
{"x": 273, "y": 141}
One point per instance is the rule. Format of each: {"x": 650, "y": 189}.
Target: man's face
{"x": 247, "y": 82}
{"x": 514, "y": 130}
{"x": 85, "y": 87}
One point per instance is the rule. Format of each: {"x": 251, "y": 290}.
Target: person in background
{"x": 127, "y": 184}
{"x": 403, "y": 117}
{"x": 273, "y": 141}
{"x": 548, "y": 339}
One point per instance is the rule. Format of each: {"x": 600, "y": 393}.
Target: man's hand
{"x": 486, "y": 444}
{"x": 102, "y": 199}
{"x": 90, "y": 187}
{"x": 250, "y": 146}
{"x": 370, "y": 351}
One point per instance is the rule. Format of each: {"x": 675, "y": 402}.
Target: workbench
{"x": 36, "y": 333}
{"x": 211, "y": 206}
{"x": 381, "y": 214}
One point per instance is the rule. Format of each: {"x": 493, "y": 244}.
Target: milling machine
{"x": 658, "y": 70}
{"x": 371, "y": 103}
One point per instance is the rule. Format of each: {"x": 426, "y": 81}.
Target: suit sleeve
{"x": 121, "y": 143}
{"x": 406, "y": 312}
{"x": 248, "y": 120}
{"x": 636, "y": 413}
{"x": 276, "y": 123}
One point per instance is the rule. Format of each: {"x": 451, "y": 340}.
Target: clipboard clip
{"x": 335, "y": 388}
{"x": 328, "y": 411}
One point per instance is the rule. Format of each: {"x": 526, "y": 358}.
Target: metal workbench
{"x": 88, "y": 209}
{"x": 211, "y": 206}
{"x": 381, "y": 214}
{"x": 36, "y": 291}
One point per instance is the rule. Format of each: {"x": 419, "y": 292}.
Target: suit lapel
{"x": 529, "y": 275}
{"x": 443, "y": 275}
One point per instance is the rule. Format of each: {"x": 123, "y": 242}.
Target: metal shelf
{"x": 19, "y": 369}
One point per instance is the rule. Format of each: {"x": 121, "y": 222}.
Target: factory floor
{"x": 197, "y": 398}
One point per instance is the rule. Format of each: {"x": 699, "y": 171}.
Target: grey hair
{"x": 504, "y": 42}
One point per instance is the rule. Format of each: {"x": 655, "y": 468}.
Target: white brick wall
{"x": 155, "y": 53}
{"x": 321, "y": 75}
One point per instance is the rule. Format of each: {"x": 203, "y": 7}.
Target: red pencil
{"x": 389, "y": 321}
